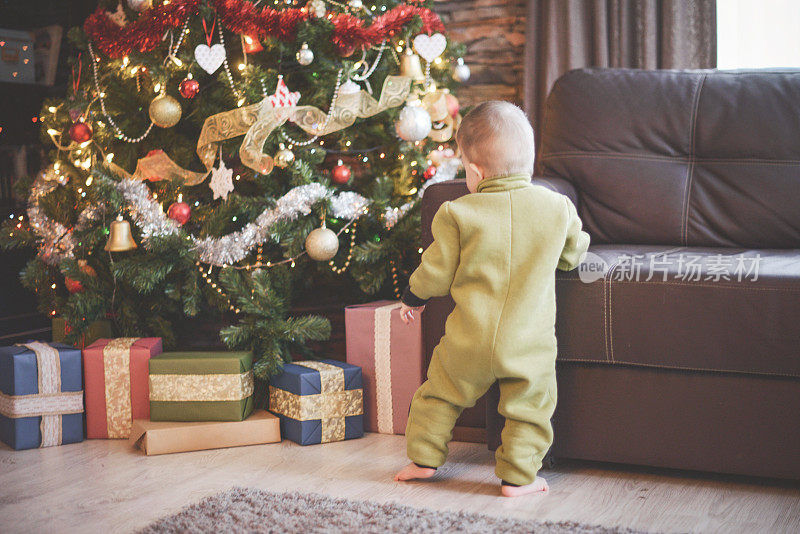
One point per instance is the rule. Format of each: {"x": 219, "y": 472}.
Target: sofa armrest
{"x": 559, "y": 185}
{"x": 434, "y": 197}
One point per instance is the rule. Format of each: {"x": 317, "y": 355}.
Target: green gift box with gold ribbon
{"x": 201, "y": 386}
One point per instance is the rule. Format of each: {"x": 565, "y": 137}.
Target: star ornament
{"x": 221, "y": 181}
{"x": 283, "y": 97}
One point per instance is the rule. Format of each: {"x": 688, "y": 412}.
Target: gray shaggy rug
{"x": 254, "y": 510}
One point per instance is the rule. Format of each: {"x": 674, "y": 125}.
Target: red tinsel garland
{"x": 143, "y": 35}
{"x": 242, "y": 17}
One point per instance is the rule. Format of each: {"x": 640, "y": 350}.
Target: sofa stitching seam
{"x": 625, "y": 155}
{"x": 667, "y": 366}
{"x": 690, "y": 169}
{"x": 668, "y": 283}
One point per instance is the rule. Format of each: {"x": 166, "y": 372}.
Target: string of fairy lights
{"x": 86, "y": 154}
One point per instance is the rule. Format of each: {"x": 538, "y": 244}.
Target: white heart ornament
{"x": 430, "y": 47}
{"x": 209, "y": 57}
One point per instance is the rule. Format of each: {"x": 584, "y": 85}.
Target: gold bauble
{"x": 322, "y": 244}
{"x": 165, "y": 111}
{"x": 284, "y": 157}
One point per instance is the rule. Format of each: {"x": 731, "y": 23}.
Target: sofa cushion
{"x": 722, "y": 309}
{"x": 697, "y": 158}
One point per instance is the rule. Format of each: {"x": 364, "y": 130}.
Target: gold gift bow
{"x": 213, "y": 387}
{"x": 436, "y": 105}
{"x": 50, "y": 403}
{"x": 383, "y": 367}
{"x": 330, "y": 406}
{"x": 117, "y": 380}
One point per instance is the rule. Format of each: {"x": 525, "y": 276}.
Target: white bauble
{"x": 317, "y": 7}
{"x": 355, "y": 4}
{"x": 413, "y": 124}
{"x": 322, "y": 244}
{"x": 305, "y": 55}
{"x": 461, "y": 71}
{"x": 140, "y": 5}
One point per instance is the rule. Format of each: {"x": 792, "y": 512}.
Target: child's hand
{"x": 407, "y": 313}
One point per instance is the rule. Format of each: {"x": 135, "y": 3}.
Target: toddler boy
{"x": 495, "y": 251}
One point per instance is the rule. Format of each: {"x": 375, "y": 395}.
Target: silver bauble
{"x": 305, "y": 55}
{"x": 413, "y": 124}
{"x": 140, "y": 5}
{"x": 461, "y": 71}
{"x": 165, "y": 111}
{"x": 355, "y": 4}
{"x": 322, "y": 244}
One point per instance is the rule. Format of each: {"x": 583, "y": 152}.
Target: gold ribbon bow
{"x": 258, "y": 121}
{"x": 444, "y": 125}
{"x": 331, "y": 405}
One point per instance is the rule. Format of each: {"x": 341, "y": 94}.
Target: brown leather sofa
{"x": 685, "y": 351}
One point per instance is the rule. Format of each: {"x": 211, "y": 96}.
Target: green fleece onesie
{"x": 495, "y": 252}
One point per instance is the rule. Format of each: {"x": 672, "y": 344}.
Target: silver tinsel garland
{"x": 57, "y": 242}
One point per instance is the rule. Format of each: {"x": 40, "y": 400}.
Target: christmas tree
{"x": 216, "y": 156}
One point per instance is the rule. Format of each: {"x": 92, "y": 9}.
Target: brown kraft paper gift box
{"x": 389, "y": 353}
{"x": 165, "y": 437}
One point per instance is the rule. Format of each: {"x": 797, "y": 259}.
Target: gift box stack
{"x": 202, "y": 400}
{"x": 390, "y": 354}
{"x": 169, "y": 401}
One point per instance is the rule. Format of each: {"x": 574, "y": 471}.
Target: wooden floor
{"x": 104, "y": 486}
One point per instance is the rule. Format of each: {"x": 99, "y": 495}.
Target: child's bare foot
{"x": 538, "y": 485}
{"x": 412, "y": 471}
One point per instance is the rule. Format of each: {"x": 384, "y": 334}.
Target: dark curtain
{"x": 648, "y": 34}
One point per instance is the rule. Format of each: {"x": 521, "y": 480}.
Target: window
{"x": 758, "y": 33}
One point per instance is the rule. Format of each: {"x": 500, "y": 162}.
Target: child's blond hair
{"x": 498, "y": 138}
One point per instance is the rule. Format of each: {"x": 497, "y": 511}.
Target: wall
{"x": 494, "y": 32}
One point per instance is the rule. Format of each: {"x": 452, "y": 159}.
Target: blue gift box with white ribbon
{"x": 41, "y": 395}
{"x": 318, "y": 401}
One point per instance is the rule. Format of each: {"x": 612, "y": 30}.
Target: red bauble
{"x": 180, "y": 212}
{"x": 341, "y": 173}
{"x": 189, "y": 88}
{"x": 430, "y": 172}
{"x": 346, "y": 50}
{"x": 73, "y": 286}
{"x": 80, "y": 132}
{"x": 452, "y": 104}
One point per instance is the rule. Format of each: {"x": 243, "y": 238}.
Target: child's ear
{"x": 477, "y": 170}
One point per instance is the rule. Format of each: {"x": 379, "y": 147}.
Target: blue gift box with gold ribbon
{"x": 41, "y": 395}
{"x": 318, "y": 401}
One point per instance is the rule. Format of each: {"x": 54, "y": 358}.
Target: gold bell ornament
{"x": 119, "y": 236}
{"x": 410, "y": 66}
